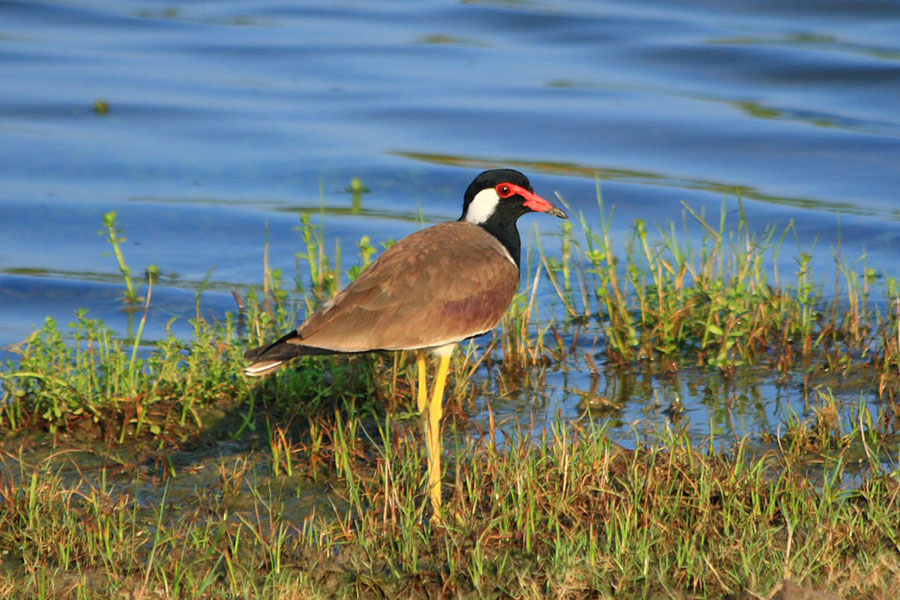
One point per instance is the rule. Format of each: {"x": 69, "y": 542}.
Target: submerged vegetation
{"x": 158, "y": 470}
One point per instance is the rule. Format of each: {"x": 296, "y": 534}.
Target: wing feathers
{"x": 444, "y": 283}
{"x": 437, "y": 286}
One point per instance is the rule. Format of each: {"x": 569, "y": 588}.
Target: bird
{"x": 427, "y": 292}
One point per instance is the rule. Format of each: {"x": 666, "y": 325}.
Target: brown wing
{"x": 439, "y": 285}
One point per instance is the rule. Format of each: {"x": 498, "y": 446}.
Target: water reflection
{"x": 602, "y": 173}
{"x": 704, "y": 404}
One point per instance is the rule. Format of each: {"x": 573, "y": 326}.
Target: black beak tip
{"x": 558, "y": 212}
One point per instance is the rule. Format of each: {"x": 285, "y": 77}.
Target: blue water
{"x": 228, "y": 118}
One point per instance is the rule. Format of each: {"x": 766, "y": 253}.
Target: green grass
{"x": 158, "y": 470}
{"x": 569, "y": 514}
{"x": 723, "y": 303}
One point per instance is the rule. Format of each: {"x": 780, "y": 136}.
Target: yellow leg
{"x": 423, "y": 384}
{"x": 433, "y": 432}
{"x": 422, "y": 402}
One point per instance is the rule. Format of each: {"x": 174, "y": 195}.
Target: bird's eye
{"x": 504, "y": 190}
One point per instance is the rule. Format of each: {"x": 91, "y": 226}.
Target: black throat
{"x": 504, "y": 229}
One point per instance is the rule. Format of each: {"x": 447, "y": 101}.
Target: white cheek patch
{"x": 482, "y": 206}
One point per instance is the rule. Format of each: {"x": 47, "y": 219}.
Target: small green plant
{"x": 101, "y": 107}
{"x": 357, "y": 190}
{"x": 324, "y": 277}
{"x": 115, "y": 238}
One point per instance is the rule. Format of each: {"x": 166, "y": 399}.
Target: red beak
{"x": 538, "y": 204}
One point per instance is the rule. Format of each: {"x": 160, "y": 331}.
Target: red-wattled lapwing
{"x": 429, "y": 291}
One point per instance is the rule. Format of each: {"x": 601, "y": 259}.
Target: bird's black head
{"x": 495, "y": 201}
{"x": 500, "y": 197}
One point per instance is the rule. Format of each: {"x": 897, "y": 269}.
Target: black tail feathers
{"x": 265, "y": 359}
